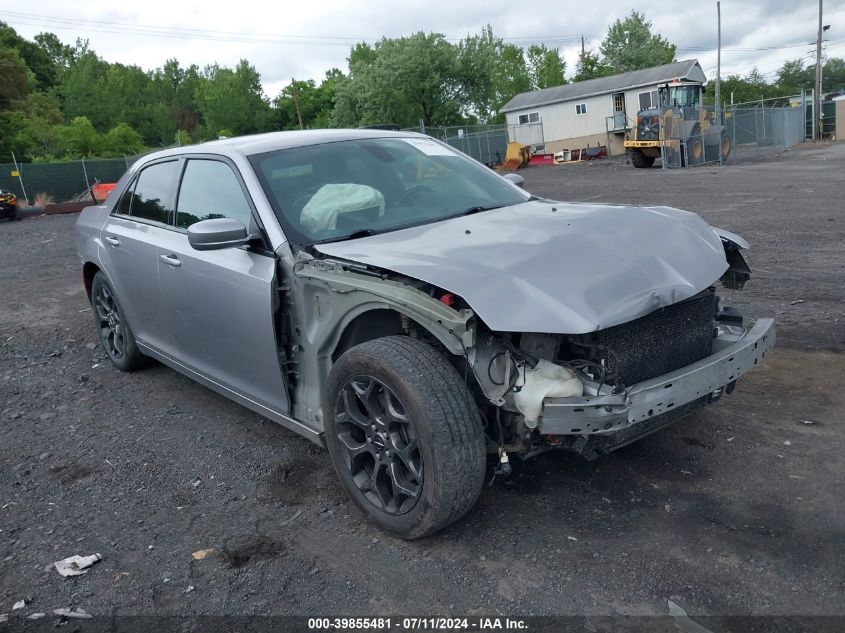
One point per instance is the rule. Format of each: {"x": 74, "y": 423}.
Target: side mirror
{"x": 515, "y": 179}
{"x": 209, "y": 235}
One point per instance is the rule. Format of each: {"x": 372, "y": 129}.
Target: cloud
{"x": 303, "y": 40}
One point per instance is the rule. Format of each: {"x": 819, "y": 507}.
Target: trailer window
{"x": 580, "y": 108}
{"x": 648, "y": 100}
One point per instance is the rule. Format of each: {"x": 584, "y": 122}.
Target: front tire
{"x": 640, "y": 160}
{"x": 115, "y": 334}
{"x": 404, "y": 436}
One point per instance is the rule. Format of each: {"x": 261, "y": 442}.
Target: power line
{"x": 105, "y": 26}
{"x": 187, "y": 33}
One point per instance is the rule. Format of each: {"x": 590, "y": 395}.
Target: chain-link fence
{"x": 693, "y": 136}
{"x": 60, "y": 182}
{"x": 487, "y": 144}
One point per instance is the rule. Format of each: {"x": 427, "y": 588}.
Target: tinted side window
{"x": 210, "y": 190}
{"x": 126, "y": 199}
{"x": 151, "y": 199}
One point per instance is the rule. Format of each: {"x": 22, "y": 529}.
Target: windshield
{"x": 347, "y": 189}
{"x": 680, "y": 96}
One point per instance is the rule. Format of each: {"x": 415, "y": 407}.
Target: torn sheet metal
{"x": 543, "y": 266}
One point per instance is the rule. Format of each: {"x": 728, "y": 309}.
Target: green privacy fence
{"x": 61, "y": 181}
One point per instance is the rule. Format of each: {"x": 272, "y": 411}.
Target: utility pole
{"x": 719, "y": 65}
{"x": 817, "y": 93}
{"x": 583, "y": 68}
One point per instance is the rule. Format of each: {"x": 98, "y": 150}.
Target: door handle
{"x": 170, "y": 260}
{"x": 108, "y": 239}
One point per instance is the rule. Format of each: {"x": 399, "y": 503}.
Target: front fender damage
{"x": 354, "y": 287}
{"x": 332, "y": 295}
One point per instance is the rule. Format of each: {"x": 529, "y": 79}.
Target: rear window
{"x": 151, "y": 198}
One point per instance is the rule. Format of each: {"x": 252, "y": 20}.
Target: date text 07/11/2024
{"x": 417, "y": 624}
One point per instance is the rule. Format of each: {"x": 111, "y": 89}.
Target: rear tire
{"x": 695, "y": 152}
{"x": 404, "y": 436}
{"x": 112, "y": 328}
{"x": 640, "y": 160}
{"x": 727, "y": 145}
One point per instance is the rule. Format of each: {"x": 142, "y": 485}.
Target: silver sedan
{"x": 411, "y": 310}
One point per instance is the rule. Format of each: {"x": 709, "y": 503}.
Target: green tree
{"x": 36, "y": 126}
{"x": 425, "y": 77}
{"x": 296, "y": 104}
{"x": 61, "y": 54}
{"x": 546, "y": 68}
{"x": 182, "y": 137}
{"x": 17, "y": 78}
{"x": 362, "y": 54}
{"x": 83, "y": 90}
{"x": 792, "y": 76}
{"x": 476, "y": 69}
{"x": 177, "y": 89}
{"x": 591, "y": 67}
{"x": 510, "y": 79}
{"x": 751, "y": 87}
{"x": 834, "y": 75}
{"x": 122, "y": 140}
{"x": 305, "y": 105}
{"x": 79, "y": 139}
{"x": 232, "y": 100}
{"x": 36, "y": 58}
{"x": 412, "y": 78}
{"x": 631, "y": 45}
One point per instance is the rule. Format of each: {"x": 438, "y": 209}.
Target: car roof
{"x": 271, "y": 141}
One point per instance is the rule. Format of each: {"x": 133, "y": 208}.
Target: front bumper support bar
{"x": 607, "y": 414}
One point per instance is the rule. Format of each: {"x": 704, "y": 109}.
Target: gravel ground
{"x": 738, "y": 509}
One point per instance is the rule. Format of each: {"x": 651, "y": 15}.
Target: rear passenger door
{"x": 219, "y": 304}
{"x": 139, "y": 224}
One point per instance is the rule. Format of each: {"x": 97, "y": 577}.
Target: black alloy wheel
{"x": 382, "y": 447}
{"x": 115, "y": 334}
{"x": 112, "y": 332}
{"x": 404, "y": 435}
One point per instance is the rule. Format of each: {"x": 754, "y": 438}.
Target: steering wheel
{"x": 411, "y": 193}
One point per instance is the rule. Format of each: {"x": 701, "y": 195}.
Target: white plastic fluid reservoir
{"x": 546, "y": 380}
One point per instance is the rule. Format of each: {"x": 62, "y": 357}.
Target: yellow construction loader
{"x": 679, "y": 129}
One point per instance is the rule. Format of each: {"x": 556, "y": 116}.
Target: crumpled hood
{"x": 554, "y": 267}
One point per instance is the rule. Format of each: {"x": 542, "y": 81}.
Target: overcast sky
{"x": 304, "y": 39}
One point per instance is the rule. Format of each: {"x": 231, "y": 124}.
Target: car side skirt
{"x": 286, "y": 421}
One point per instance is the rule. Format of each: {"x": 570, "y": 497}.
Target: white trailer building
{"x": 593, "y": 112}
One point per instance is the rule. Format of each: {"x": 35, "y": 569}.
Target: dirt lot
{"x": 738, "y": 509}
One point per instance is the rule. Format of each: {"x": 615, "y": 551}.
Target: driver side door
{"x": 219, "y": 304}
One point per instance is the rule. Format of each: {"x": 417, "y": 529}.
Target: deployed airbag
{"x": 331, "y": 200}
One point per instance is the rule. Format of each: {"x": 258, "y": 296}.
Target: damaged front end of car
{"x": 590, "y": 393}
{"x": 596, "y": 392}
{"x": 588, "y": 362}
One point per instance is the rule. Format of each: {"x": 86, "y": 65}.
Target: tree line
{"x": 62, "y": 101}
